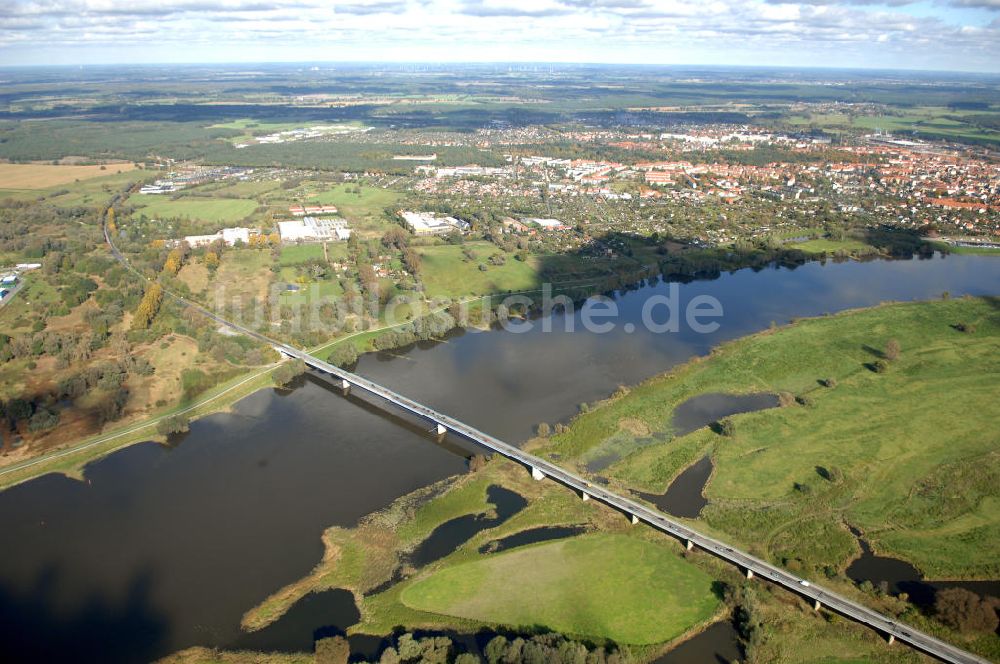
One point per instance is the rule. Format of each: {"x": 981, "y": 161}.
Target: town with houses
{"x": 704, "y": 190}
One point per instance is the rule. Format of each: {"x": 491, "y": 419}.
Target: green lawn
{"x": 603, "y": 586}
{"x": 324, "y": 291}
{"x": 296, "y": 254}
{"x": 917, "y": 446}
{"x": 218, "y": 210}
{"x": 245, "y": 189}
{"x": 446, "y": 273}
{"x": 982, "y": 251}
{"x": 365, "y": 208}
{"x": 826, "y": 246}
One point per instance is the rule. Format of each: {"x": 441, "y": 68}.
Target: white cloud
{"x": 809, "y": 32}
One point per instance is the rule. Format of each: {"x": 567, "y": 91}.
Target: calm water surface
{"x": 507, "y": 383}
{"x": 684, "y": 497}
{"x": 704, "y": 409}
{"x": 162, "y": 548}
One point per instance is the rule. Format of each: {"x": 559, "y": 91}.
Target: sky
{"x": 958, "y": 35}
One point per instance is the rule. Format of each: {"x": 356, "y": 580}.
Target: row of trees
{"x": 148, "y": 307}
{"x": 408, "y": 648}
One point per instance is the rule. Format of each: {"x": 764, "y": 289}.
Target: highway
{"x": 751, "y": 566}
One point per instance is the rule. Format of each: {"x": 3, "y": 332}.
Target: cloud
{"x": 368, "y": 8}
{"x": 993, "y": 5}
{"x": 817, "y": 32}
{"x": 494, "y": 8}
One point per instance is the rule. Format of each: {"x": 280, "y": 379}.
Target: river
{"x": 162, "y": 547}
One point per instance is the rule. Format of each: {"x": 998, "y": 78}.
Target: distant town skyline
{"x": 958, "y": 35}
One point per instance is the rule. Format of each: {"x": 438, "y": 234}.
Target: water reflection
{"x": 164, "y": 547}
{"x": 704, "y": 409}
{"x": 454, "y": 533}
{"x": 897, "y": 576}
{"x": 719, "y": 644}
{"x": 684, "y": 498}
{"x": 505, "y": 384}
{"x": 315, "y": 616}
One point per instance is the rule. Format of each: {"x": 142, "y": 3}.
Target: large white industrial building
{"x": 228, "y": 235}
{"x": 426, "y": 223}
{"x": 311, "y": 229}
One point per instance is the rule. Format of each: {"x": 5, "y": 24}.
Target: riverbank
{"x": 378, "y": 562}
{"x": 375, "y": 559}
{"x": 70, "y": 460}
{"x": 380, "y": 558}
{"x": 904, "y": 448}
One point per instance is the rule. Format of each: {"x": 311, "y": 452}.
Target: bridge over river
{"x": 541, "y": 469}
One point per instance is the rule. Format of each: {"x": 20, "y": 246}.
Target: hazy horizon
{"x": 526, "y": 65}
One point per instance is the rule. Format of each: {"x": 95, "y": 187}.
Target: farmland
{"x": 44, "y": 176}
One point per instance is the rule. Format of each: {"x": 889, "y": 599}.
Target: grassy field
{"x": 195, "y": 276}
{"x": 366, "y": 556}
{"x": 925, "y": 121}
{"x": 446, "y": 273}
{"x": 15, "y": 316}
{"x": 980, "y": 251}
{"x": 613, "y": 586}
{"x": 201, "y": 655}
{"x": 827, "y": 246}
{"x": 244, "y": 273}
{"x": 320, "y": 291}
{"x": 914, "y": 448}
{"x": 228, "y": 189}
{"x": 218, "y": 210}
{"x": 301, "y": 253}
{"x": 45, "y": 176}
{"x": 365, "y": 208}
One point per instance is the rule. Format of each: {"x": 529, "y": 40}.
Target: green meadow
{"x": 619, "y": 587}
{"x": 446, "y": 272}
{"x": 908, "y": 455}
{"x": 216, "y": 210}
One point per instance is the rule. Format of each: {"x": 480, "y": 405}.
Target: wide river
{"x": 160, "y": 548}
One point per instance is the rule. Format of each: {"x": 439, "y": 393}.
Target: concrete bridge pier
{"x": 890, "y": 639}
{"x": 584, "y": 496}
{"x": 816, "y": 605}
{"x": 688, "y": 544}
{"x": 634, "y": 519}
{"x": 344, "y": 385}
{"x": 441, "y": 430}
{"x": 749, "y": 573}
{"x": 537, "y": 474}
